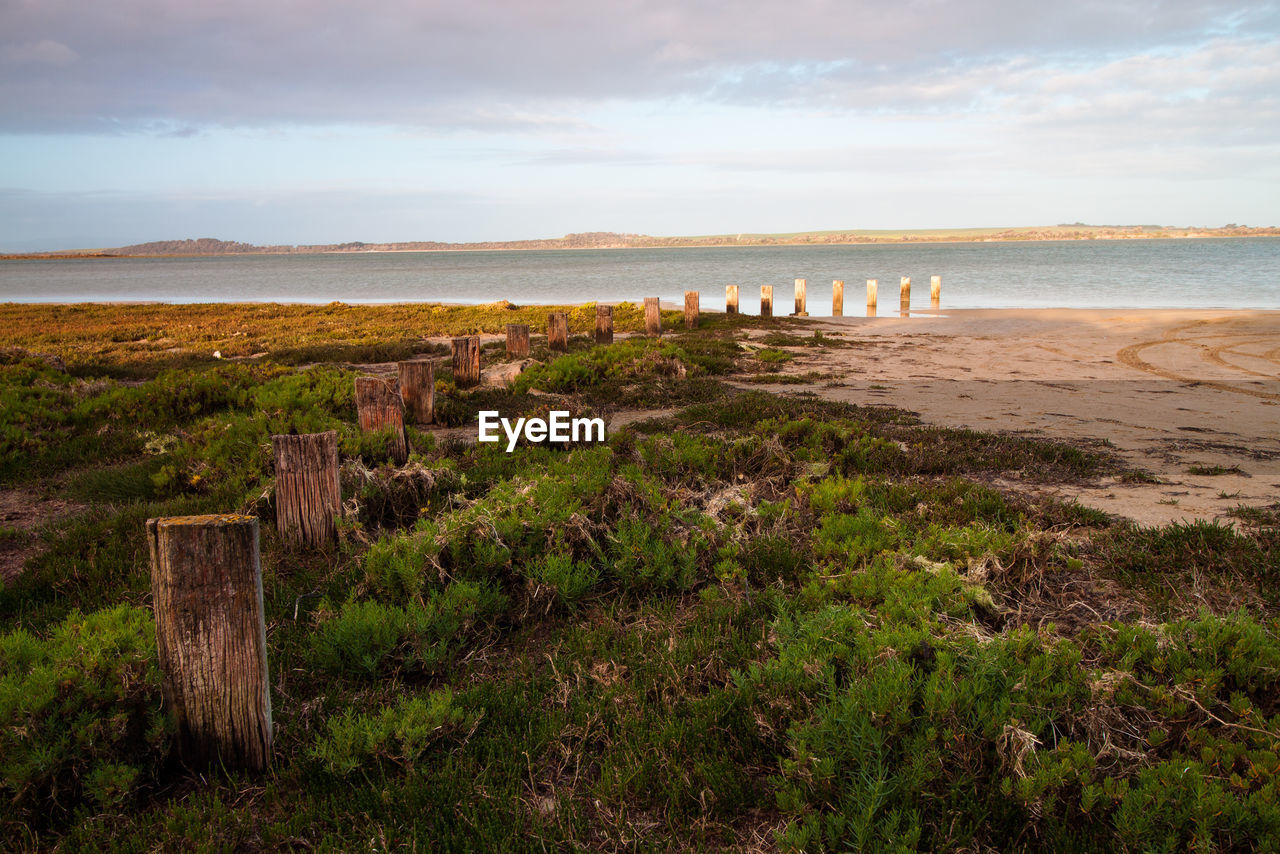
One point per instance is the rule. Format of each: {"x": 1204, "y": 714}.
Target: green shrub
{"x": 397, "y": 735}
{"x": 773, "y": 356}
{"x": 179, "y": 396}
{"x": 366, "y": 638}
{"x": 625, "y": 361}
{"x": 80, "y": 713}
{"x": 1214, "y": 547}
{"x": 512, "y": 524}
{"x": 569, "y": 578}
{"x": 230, "y": 452}
{"x": 898, "y": 730}
{"x": 682, "y": 457}
{"x": 845, "y": 445}
{"x": 642, "y": 559}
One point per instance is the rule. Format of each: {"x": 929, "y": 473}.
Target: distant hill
{"x": 203, "y": 246}
{"x": 613, "y": 240}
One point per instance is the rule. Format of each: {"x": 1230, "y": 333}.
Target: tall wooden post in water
{"x": 211, "y": 637}
{"x": 730, "y": 299}
{"x": 873, "y": 287}
{"x": 904, "y": 293}
{"x": 837, "y": 298}
{"x": 308, "y": 497}
{"x": 766, "y": 300}
{"x": 802, "y": 286}
{"x": 935, "y": 289}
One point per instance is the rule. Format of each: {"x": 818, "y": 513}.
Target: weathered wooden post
{"x": 766, "y": 300}
{"x": 211, "y": 637}
{"x": 466, "y": 361}
{"x": 691, "y": 310}
{"x": 307, "y": 493}
{"x": 904, "y": 293}
{"x": 379, "y": 407}
{"x": 837, "y": 298}
{"x": 730, "y": 299}
{"x": 873, "y": 286}
{"x": 652, "y": 317}
{"x": 935, "y": 289}
{"x": 604, "y": 324}
{"x": 558, "y": 331}
{"x": 802, "y": 286}
{"x": 418, "y": 390}
{"x": 518, "y": 339}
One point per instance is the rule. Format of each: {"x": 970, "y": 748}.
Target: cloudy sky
{"x": 300, "y": 121}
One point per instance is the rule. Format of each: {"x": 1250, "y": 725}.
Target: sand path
{"x": 1169, "y": 389}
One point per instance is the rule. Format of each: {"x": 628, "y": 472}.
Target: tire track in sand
{"x": 1214, "y": 354}
{"x": 1129, "y": 356}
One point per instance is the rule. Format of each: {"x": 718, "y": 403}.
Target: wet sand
{"x": 1168, "y": 389}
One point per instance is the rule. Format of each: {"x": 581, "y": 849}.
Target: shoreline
{"x": 883, "y": 316}
{"x": 1190, "y": 397}
{"x": 107, "y": 255}
{"x": 1171, "y": 391}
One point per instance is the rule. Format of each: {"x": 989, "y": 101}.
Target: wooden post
{"x": 211, "y": 637}
{"x": 418, "y": 390}
{"x": 766, "y": 300}
{"x": 690, "y": 309}
{"x": 604, "y": 324}
{"x": 904, "y": 293}
{"x": 730, "y": 299}
{"x": 837, "y": 298}
{"x": 379, "y": 407}
{"x": 518, "y": 339}
{"x": 466, "y": 361}
{"x": 873, "y": 286}
{"x": 307, "y": 493}
{"x": 652, "y": 317}
{"x": 935, "y": 289}
{"x": 558, "y": 331}
{"x": 801, "y": 287}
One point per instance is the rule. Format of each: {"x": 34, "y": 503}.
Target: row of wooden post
{"x": 466, "y": 350}
{"x": 837, "y": 296}
{"x": 206, "y": 576}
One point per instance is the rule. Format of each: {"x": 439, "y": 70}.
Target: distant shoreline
{"x": 208, "y": 247}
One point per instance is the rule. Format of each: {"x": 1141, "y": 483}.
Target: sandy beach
{"x": 1170, "y": 390}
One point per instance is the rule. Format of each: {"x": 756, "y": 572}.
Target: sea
{"x": 1238, "y": 273}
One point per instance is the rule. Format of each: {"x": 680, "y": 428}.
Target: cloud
{"x": 127, "y": 64}
{"x": 43, "y": 52}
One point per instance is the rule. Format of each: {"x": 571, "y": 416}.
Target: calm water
{"x": 1216, "y": 273}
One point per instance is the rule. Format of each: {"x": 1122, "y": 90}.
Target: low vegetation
{"x": 746, "y": 621}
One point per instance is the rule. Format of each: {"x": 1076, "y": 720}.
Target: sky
{"x": 319, "y": 121}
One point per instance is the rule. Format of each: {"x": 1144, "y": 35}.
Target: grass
{"x": 759, "y": 620}
{"x": 1215, "y": 471}
{"x": 140, "y": 340}
{"x": 1138, "y": 476}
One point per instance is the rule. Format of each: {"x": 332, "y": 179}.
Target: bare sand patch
{"x": 24, "y": 511}
{"x": 1170, "y": 390}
